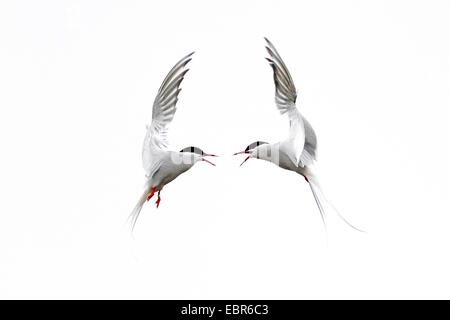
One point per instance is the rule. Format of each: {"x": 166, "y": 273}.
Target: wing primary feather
{"x": 278, "y": 61}
{"x": 285, "y": 99}
{"x": 164, "y": 108}
{"x": 181, "y": 64}
{"x": 285, "y": 92}
{"x": 172, "y": 85}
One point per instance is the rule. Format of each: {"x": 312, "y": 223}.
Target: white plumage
{"x": 298, "y": 151}
{"x": 161, "y": 165}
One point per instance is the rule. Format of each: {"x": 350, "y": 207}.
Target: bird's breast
{"x": 168, "y": 172}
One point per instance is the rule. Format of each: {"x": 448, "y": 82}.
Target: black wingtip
{"x": 186, "y": 62}
{"x": 268, "y": 42}
{"x": 184, "y": 72}
{"x": 187, "y": 58}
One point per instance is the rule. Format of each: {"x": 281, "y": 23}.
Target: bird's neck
{"x": 269, "y": 152}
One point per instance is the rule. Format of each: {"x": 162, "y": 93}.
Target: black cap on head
{"x": 253, "y": 145}
{"x": 193, "y": 150}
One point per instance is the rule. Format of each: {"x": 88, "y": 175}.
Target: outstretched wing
{"x": 164, "y": 108}
{"x": 285, "y": 97}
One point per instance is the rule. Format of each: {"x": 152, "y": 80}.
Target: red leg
{"x": 159, "y": 199}
{"x": 151, "y": 194}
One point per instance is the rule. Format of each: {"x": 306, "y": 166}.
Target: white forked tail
{"x": 321, "y": 200}
{"x": 134, "y": 215}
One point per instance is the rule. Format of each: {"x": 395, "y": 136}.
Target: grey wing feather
{"x": 285, "y": 98}
{"x": 154, "y": 167}
{"x": 309, "y": 153}
{"x": 285, "y": 92}
{"x": 164, "y": 108}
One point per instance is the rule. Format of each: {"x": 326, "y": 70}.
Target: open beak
{"x": 203, "y": 159}
{"x": 243, "y": 152}
{"x": 245, "y": 160}
{"x": 209, "y": 155}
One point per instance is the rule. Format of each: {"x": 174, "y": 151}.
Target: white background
{"x": 77, "y": 82}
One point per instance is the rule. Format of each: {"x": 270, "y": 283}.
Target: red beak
{"x": 203, "y": 159}
{"x": 245, "y": 160}
{"x": 209, "y": 155}
{"x": 242, "y": 152}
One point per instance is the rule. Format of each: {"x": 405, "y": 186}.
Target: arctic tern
{"x": 298, "y": 151}
{"x": 162, "y": 165}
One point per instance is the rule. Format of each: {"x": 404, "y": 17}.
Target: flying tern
{"x": 162, "y": 165}
{"x": 298, "y": 151}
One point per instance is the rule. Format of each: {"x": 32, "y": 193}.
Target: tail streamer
{"x": 134, "y": 215}
{"x": 320, "y": 199}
